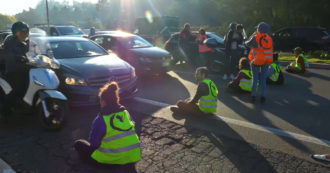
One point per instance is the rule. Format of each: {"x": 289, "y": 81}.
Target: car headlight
{"x": 143, "y": 59}
{"x": 75, "y": 81}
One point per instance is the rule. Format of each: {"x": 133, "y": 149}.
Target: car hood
{"x": 150, "y": 52}
{"x": 89, "y": 67}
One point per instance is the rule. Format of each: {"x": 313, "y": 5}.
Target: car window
{"x": 99, "y": 40}
{"x": 75, "y": 49}
{"x": 135, "y": 42}
{"x": 69, "y": 30}
{"x": 218, "y": 38}
{"x": 311, "y": 34}
{"x": 53, "y": 32}
{"x": 285, "y": 33}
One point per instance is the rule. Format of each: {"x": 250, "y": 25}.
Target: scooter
{"x": 42, "y": 95}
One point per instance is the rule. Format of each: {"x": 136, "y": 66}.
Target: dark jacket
{"x": 15, "y": 54}
{"x": 202, "y": 90}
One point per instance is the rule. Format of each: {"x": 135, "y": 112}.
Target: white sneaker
{"x": 225, "y": 77}
{"x": 232, "y": 76}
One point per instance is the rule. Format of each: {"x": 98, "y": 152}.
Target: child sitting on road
{"x": 243, "y": 81}
{"x": 275, "y": 75}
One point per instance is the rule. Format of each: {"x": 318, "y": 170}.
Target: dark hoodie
{"x": 99, "y": 127}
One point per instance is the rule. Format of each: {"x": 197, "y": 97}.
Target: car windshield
{"x": 69, "y": 30}
{"x": 218, "y": 38}
{"x": 135, "y": 42}
{"x": 75, "y": 49}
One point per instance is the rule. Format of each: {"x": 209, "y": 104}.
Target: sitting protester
{"x": 243, "y": 80}
{"x": 275, "y": 75}
{"x": 113, "y": 140}
{"x": 205, "y": 100}
{"x": 301, "y": 64}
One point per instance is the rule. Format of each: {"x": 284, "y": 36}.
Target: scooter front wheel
{"x": 52, "y": 113}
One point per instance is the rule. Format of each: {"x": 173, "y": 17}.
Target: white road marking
{"x": 280, "y": 132}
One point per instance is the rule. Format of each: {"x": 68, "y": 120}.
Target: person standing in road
{"x": 205, "y": 100}
{"x": 113, "y": 139}
{"x": 204, "y": 52}
{"x": 261, "y": 55}
{"x": 232, "y": 51}
{"x": 185, "y": 43}
{"x": 243, "y": 80}
{"x": 301, "y": 63}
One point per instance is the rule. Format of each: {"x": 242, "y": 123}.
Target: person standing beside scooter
{"x": 16, "y": 72}
{"x": 261, "y": 55}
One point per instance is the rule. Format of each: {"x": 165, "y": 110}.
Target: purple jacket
{"x": 99, "y": 127}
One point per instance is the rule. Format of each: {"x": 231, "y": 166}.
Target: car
{"x": 172, "y": 45}
{"x": 308, "y": 38}
{"x": 141, "y": 54}
{"x": 62, "y": 30}
{"x": 85, "y": 67}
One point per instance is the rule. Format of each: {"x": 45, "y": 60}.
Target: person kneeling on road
{"x": 275, "y": 75}
{"x": 113, "y": 139}
{"x": 301, "y": 64}
{"x": 243, "y": 80}
{"x": 206, "y": 96}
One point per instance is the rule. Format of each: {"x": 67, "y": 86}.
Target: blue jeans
{"x": 259, "y": 74}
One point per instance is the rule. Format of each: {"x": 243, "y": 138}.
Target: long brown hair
{"x": 109, "y": 93}
{"x": 244, "y": 63}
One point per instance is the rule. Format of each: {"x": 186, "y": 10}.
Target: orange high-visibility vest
{"x": 263, "y": 54}
{"x": 203, "y": 47}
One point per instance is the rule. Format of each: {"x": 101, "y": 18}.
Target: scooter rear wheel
{"x": 58, "y": 110}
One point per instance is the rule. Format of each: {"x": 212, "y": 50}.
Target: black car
{"x": 141, "y": 54}
{"x": 85, "y": 67}
{"x": 308, "y": 38}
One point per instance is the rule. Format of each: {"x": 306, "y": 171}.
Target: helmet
{"x": 19, "y": 26}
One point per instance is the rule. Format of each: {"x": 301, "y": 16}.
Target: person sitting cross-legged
{"x": 205, "y": 100}
{"x": 113, "y": 140}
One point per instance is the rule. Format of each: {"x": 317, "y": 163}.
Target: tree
{"x": 4, "y": 20}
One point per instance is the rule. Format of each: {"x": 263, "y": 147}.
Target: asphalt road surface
{"x": 295, "y": 119}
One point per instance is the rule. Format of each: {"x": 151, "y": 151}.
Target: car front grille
{"x": 98, "y": 82}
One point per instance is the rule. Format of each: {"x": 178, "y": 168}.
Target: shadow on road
{"x": 240, "y": 153}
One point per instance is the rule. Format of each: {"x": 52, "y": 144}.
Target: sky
{"x": 12, "y": 7}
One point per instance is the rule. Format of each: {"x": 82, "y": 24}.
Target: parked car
{"x": 308, "y": 38}
{"x": 141, "y": 54}
{"x": 62, "y": 30}
{"x": 85, "y": 67}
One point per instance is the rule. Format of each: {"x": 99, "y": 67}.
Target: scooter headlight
{"x": 75, "y": 81}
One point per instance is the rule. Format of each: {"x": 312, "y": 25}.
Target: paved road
{"x": 296, "y": 113}
{"x": 299, "y": 107}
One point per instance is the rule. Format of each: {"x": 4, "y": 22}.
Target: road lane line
{"x": 279, "y": 132}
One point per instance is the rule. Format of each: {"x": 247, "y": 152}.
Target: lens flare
{"x": 149, "y": 16}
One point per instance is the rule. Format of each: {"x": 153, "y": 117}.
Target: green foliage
{"x": 4, "y": 20}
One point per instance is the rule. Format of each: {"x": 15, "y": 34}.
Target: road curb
{"x": 311, "y": 65}
{"x": 5, "y": 168}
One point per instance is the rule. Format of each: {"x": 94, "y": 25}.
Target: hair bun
{"x": 113, "y": 87}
